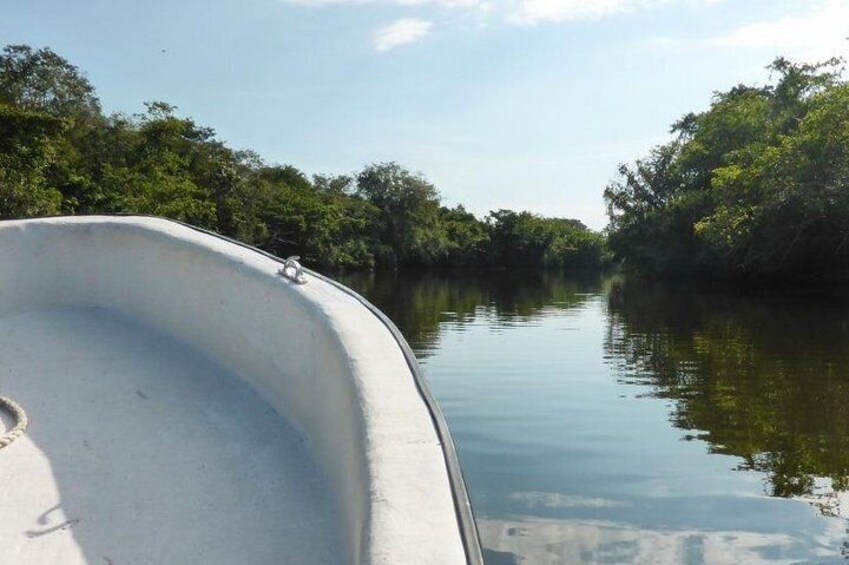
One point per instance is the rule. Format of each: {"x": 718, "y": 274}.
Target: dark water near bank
{"x": 619, "y": 421}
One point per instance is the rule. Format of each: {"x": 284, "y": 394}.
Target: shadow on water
{"x": 762, "y": 378}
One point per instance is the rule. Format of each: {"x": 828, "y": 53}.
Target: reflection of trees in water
{"x": 764, "y": 379}
{"x": 418, "y": 301}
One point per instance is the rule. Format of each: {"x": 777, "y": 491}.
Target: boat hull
{"x": 330, "y": 369}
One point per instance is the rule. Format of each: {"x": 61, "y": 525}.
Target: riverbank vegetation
{"x": 61, "y": 154}
{"x": 754, "y": 188}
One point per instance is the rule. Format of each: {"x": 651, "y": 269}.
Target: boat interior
{"x": 187, "y": 403}
{"x": 142, "y": 450}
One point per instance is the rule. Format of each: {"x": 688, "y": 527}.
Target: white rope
{"x": 21, "y": 421}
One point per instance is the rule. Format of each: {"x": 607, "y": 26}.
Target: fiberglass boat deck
{"x": 187, "y": 404}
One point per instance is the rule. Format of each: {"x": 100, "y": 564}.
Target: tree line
{"x": 755, "y": 188}
{"x": 60, "y": 154}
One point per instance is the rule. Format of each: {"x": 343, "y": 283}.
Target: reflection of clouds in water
{"x": 560, "y": 500}
{"x": 561, "y": 542}
{"x": 829, "y": 502}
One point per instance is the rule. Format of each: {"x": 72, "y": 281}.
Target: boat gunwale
{"x": 462, "y": 504}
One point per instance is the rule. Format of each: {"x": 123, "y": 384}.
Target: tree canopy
{"x": 60, "y": 154}
{"x": 755, "y": 187}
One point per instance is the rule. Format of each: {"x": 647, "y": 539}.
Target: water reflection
{"x": 419, "y": 301}
{"x": 765, "y": 379}
{"x": 561, "y": 541}
{"x": 560, "y": 392}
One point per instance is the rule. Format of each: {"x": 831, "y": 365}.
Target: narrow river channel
{"x": 613, "y": 420}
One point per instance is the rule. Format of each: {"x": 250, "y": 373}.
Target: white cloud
{"x": 538, "y": 11}
{"x": 818, "y": 34}
{"x": 525, "y": 12}
{"x": 444, "y": 3}
{"x": 401, "y": 32}
{"x": 520, "y": 12}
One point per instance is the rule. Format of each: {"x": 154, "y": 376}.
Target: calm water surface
{"x": 619, "y": 421}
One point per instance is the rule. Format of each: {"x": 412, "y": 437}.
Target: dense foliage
{"x": 755, "y": 187}
{"x": 59, "y": 154}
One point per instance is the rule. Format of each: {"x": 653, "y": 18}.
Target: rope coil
{"x": 20, "y": 417}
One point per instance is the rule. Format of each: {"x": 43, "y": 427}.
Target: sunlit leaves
{"x": 762, "y": 188}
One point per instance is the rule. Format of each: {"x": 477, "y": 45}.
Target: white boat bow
{"x": 188, "y": 404}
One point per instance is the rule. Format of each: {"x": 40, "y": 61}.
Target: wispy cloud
{"x": 530, "y": 12}
{"x": 516, "y": 12}
{"x": 817, "y": 34}
{"x": 401, "y": 32}
{"x": 525, "y": 12}
{"x": 445, "y": 3}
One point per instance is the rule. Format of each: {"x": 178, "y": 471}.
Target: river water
{"x": 614, "y": 420}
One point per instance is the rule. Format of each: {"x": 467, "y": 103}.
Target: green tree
{"x": 754, "y": 187}
{"x": 60, "y": 154}
{"x": 41, "y": 80}
{"x": 408, "y": 222}
{"x": 158, "y": 171}
{"x": 467, "y": 239}
{"x": 27, "y": 147}
{"x": 522, "y": 239}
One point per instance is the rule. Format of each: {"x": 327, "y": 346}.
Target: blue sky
{"x": 523, "y": 104}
